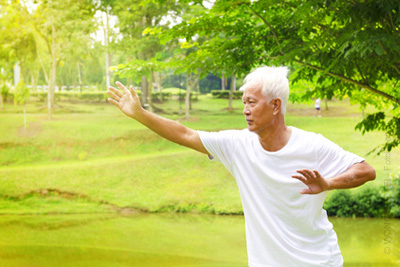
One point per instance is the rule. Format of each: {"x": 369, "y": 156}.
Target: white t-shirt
{"x": 283, "y": 227}
{"x": 317, "y": 103}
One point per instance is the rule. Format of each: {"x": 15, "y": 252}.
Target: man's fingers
{"x": 300, "y": 177}
{"x": 133, "y": 92}
{"x": 120, "y": 85}
{"x": 317, "y": 174}
{"x": 306, "y": 191}
{"x": 113, "y": 95}
{"x": 115, "y": 91}
{"x": 308, "y": 174}
{"x": 112, "y": 101}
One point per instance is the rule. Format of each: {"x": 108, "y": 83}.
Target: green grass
{"x": 108, "y": 160}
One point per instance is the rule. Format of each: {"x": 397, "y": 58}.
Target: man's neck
{"x": 276, "y": 138}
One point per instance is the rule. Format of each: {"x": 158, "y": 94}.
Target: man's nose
{"x": 246, "y": 111}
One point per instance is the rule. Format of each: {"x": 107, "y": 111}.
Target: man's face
{"x": 258, "y": 111}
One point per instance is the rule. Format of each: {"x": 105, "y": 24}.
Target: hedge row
{"x": 92, "y": 96}
{"x": 225, "y": 94}
{"x": 378, "y": 202}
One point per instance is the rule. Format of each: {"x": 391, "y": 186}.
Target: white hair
{"x": 273, "y": 81}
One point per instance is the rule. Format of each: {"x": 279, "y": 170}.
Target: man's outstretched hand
{"x": 313, "y": 179}
{"x": 127, "y": 100}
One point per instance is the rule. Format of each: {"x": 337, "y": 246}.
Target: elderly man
{"x": 283, "y": 173}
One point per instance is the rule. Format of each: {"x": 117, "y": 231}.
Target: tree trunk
{"x": 46, "y": 77}
{"x": 158, "y": 81}
{"x": 34, "y": 79}
{"x": 233, "y": 88}
{"x": 108, "y": 57}
{"x": 144, "y": 91}
{"x": 326, "y": 104}
{"x": 1, "y": 101}
{"x": 191, "y": 81}
{"x": 149, "y": 92}
{"x": 187, "y": 99}
{"x": 53, "y": 72}
{"x": 80, "y": 78}
{"x": 223, "y": 82}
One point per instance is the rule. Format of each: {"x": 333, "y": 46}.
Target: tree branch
{"x": 269, "y": 26}
{"x": 343, "y": 78}
{"x": 41, "y": 62}
{"x": 362, "y": 76}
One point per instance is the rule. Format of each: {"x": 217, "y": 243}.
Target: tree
{"x": 134, "y": 16}
{"x": 21, "y": 96}
{"x": 346, "y": 48}
{"x": 137, "y": 69}
{"x": 58, "y": 23}
{"x": 17, "y": 40}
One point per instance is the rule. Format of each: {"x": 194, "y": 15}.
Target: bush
{"x": 21, "y": 93}
{"x": 157, "y": 96}
{"x": 4, "y": 91}
{"x": 40, "y": 96}
{"x": 99, "y": 96}
{"x": 340, "y": 204}
{"x": 225, "y": 94}
{"x": 71, "y": 96}
{"x": 370, "y": 203}
{"x": 383, "y": 201}
{"x": 391, "y": 192}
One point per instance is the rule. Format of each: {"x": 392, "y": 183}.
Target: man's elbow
{"x": 370, "y": 172}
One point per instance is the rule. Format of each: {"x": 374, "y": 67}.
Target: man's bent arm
{"x": 128, "y": 102}
{"x": 356, "y": 175}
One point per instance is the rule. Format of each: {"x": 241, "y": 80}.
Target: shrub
{"x": 382, "y": 201}
{"x": 157, "y": 96}
{"x": 341, "y": 204}
{"x": 370, "y": 203}
{"x": 5, "y": 91}
{"x": 21, "y": 93}
{"x": 71, "y": 96}
{"x": 391, "y": 192}
{"x": 40, "y": 96}
{"x": 225, "y": 94}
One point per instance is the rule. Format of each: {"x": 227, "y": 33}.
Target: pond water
{"x": 168, "y": 240}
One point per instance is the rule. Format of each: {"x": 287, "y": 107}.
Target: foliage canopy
{"x": 346, "y": 48}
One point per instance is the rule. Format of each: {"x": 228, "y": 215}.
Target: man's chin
{"x": 250, "y": 128}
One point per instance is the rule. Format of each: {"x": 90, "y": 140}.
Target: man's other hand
{"x": 127, "y": 100}
{"x": 313, "y": 180}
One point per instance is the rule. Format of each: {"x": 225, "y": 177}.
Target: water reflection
{"x": 368, "y": 242}
{"x": 167, "y": 240}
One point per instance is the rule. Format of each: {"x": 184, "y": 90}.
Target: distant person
{"x": 317, "y": 107}
{"x": 283, "y": 173}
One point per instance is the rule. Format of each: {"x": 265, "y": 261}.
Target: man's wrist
{"x": 329, "y": 184}
{"x": 138, "y": 114}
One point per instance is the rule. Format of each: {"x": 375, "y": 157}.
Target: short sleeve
{"x": 332, "y": 159}
{"x": 220, "y": 145}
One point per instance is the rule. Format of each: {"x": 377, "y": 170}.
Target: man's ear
{"x": 277, "y": 103}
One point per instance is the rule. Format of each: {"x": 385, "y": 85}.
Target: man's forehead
{"x": 252, "y": 91}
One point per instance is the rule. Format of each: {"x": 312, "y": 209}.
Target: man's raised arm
{"x": 358, "y": 174}
{"x": 128, "y": 102}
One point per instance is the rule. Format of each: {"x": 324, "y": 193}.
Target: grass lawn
{"x": 91, "y": 158}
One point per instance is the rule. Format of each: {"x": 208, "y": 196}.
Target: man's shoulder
{"x": 308, "y": 137}
{"x": 304, "y": 133}
{"x": 305, "y": 137}
{"x": 227, "y": 135}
